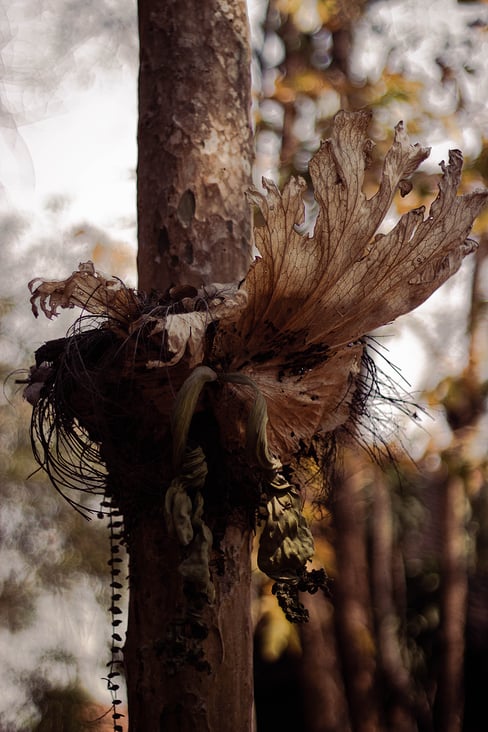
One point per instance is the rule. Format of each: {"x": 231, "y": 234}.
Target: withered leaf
{"x": 334, "y": 287}
{"x": 344, "y": 281}
{"x": 87, "y": 289}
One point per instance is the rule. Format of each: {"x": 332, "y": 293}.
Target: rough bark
{"x": 195, "y": 143}
{"x": 195, "y": 154}
{"x": 187, "y": 699}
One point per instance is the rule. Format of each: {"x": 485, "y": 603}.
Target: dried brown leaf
{"x": 343, "y": 280}
{"x": 184, "y": 335}
{"x": 299, "y": 405}
{"x": 87, "y": 289}
{"x": 311, "y": 299}
{"x": 176, "y": 336}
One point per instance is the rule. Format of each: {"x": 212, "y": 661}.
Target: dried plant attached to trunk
{"x": 278, "y": 359}
{"x": 87, "y": 289}
{"x": 312, "y": 298}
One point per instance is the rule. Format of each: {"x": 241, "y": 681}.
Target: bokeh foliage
{"x": 407, "y": 549}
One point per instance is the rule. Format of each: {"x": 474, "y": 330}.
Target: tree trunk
{"x": 320, "y": 670}
{"x": 195, "y": 155}
{"x": 352, "y": 604}
{"x": 195, "y": 143}
{"x": 448, "y": 710}
{"x": 165, "y": 691}
{"x": 405, "y": 708}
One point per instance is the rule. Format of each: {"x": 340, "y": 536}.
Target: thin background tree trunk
{"x": 407, "y": 709}
{"x": 320, "y": 671}
{"x": 352, "y": 603}
{"x": 195, "y": 155}
{"x": 448, "y": 711}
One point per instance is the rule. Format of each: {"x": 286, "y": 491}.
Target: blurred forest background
{"x": 403, "y": 643}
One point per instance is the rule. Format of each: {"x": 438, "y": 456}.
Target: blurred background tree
{"x": 403, "y": 639}
{"x": 403, "y": 643}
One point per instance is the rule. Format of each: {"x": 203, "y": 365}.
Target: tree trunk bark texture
{"x": 166, "y": 694}
{"x": 195, "y": 143}
{"x": 194, "y": 166}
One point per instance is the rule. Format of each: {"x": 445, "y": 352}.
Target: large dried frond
{"x": 346, "y": 279}
{"x": 312, "y": 299}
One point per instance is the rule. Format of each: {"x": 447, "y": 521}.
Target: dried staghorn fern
{"x": 312, "y": 299}
{"x": 290, "y": 339}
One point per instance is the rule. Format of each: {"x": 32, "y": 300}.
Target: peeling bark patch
{"x": 186, "y": 208}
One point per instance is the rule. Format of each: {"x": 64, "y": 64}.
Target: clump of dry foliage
{"x": 276, "y": 360}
